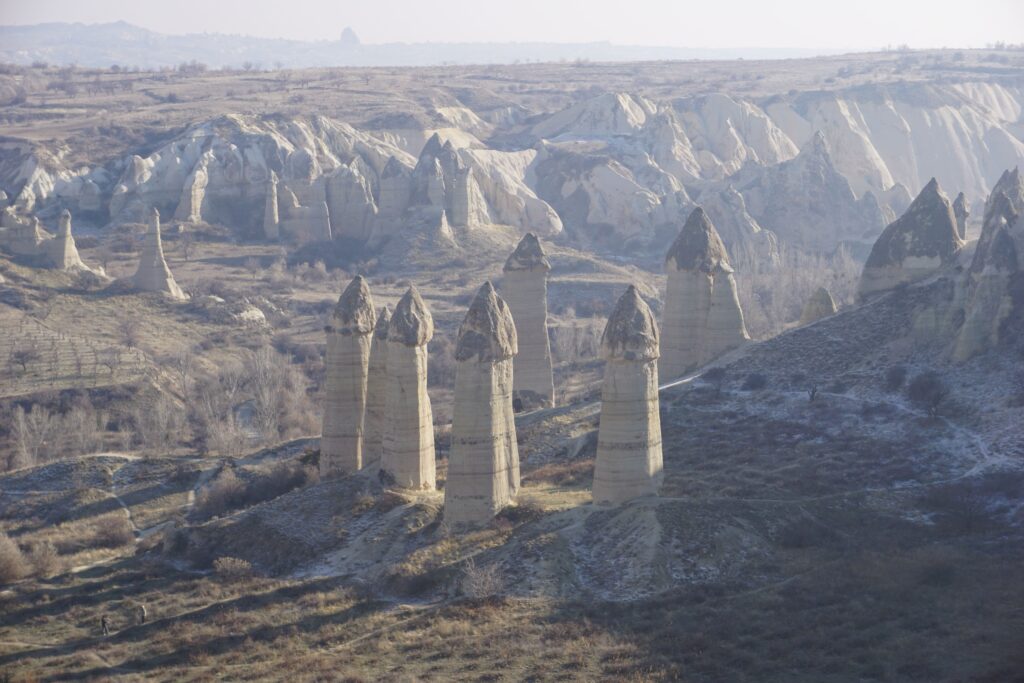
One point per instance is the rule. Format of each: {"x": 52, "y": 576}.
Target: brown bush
{"x": 12, "y": 562}
{"x": 44, "y": 559}
{"x": 232, "y": 568}
{"x": 112, "y": 531}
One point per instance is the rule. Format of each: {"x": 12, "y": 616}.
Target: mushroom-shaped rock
{"x": 153, "y": 275}
{"x": 525, "y": 288}
{"x": 347, "y": 369}
{"x": 483, "y": 468}
{"x": 376, "y": 391}
{"x": 820, "y": 305}
{"x": 408, "y": 455}
{"x": 961, "y": 213}
{"x": 629, "y": 457}
{"x": 703, "y": 318}
{"x": 913, "y": 246}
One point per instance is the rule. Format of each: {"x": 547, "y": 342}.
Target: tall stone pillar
{"x": 483, "y": 468}
{"x": 703, "y": 318}
{"x": 153, "y": 275}
{"x": 348, "y": 360}
{"x": 629, "y": 459}
{"x": 271, "y": 216}
{"x": 408, "y": 455}
{"x": 376, "y": 391}
{"x": 62, "y": 252}
{"x": 525, "y": 288}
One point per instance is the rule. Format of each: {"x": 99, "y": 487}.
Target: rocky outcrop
{"x": 61, "y": 251}
{"x": 703, "y": 318}
{"x": 742, "y": 235}
{"x": 961, "y": 214}
{"x": 998, "y": 261}
{"x": 629, "y": 458}
{"x": 525, "y": 289}
{"x": 408, "y": 454}
{"x": 347, "y": 362}
{"x": 153, "y": 274}
{"x": 820, "y": 305}
{"x": 376, "y": 392}
{"x": 914, "y": 246}
{"x": 483, "y": 468}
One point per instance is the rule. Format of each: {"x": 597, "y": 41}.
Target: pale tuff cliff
{"x": 820, "y": 305}
{"x": 483, "y": 468}
{"x": 629, "y": 457}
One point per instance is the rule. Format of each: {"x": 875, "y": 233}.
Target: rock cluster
{"x": 703, "y": 318}
{"x": 914, "y": 246}
{"x": 820, "y": 305}
{"x": 629, "y": 457}
{"x": 483, "y": 468}
{"x": 408, "y": 452}
{"x": 349, "y": 336}
{"x": 525, "y": 289}
{"x": 153, "y": 275}
{"x": 22, "y": 235}
{"x": 998, "y": 260}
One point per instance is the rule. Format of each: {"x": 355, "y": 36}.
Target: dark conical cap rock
{"x": 411, "y": 323}
{"x": 1002, "y": 253}
{"x": 380, "y": 329}
{"x": 631, "y": 332}
{"x": 64, "y": 224}
{"x": 926, "y": 229}
{"x": 488, "y": 332}
{"x": 960, "y": 205}
{"x": 393, "y": 168}
{"x": 698, "y": 246}
{"x": 1011, "y": 184}
{"x": 433, "y": 147}
{"x": 528, "y": 255}
{"x": 354, "y": 313}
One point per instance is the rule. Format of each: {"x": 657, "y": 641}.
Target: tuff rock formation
{"x": 998, "y": 261}
{"x": 703, "y": 318}
{"x": 525, "y": 289}
{"x": 376, "y": 392}
{"x": 153, "y": 275}
{"x": 61, "y": 251}
{"x": 914, "y": 246}
{"x": 629, "y": 459}
{"x": 483, "y": 468}
{"x": 820, "y": 305}
{"x": 408, "y": 455}
{"x": 961, "y": 213}
{"x": 271, "y": 213}
{"x": 347, "y": 368}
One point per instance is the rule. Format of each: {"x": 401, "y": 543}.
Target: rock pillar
{"x": 525, "y": 288}
{"x": 629, "y": 458}
{"x": 153, "y": 275}
{"x": 376, "y": 391}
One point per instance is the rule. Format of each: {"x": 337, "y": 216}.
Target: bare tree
{"x": 23, "y": 356}
{"x": 187, "y": 246}
{"x": 33, "y": 431}
{"x": 252, "y": 264}
{"x": 110, "y": 359}
{"x": 183, "y": 365}
{"x": 128, "y": 332}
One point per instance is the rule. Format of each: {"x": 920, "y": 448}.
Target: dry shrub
{"x": 112, "y": 531}
{"x": 12, "y": 562}
{"x": 480, "y": 582}
{"x": 232, "y": 568}
{"x": 44, "y": 559}
{"x": 225, "y": 492}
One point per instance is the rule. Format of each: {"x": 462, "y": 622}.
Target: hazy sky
{"x": 682, "y": 23}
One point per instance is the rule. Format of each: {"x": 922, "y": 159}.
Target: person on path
{"x": 105, "y": 624}
{"x": 142, "y": 613}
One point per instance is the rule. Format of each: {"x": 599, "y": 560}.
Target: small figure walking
{"x": 142, "y": 613}
{"x": 105, "y": 625}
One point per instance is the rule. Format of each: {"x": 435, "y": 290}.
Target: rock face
{"x": 525, "y": 288}
{"x": 629, "y": 459}
{"x": 820, "y": 305}
{"x": 271, "y": 215}
{"x": 483, "y": 468}
{"x": 913, "y": 247}
{"x": 153, "y": 275}
{"x": 703, "y": 318}
{"x": 376, "y": 392}
{"x": 997, "y": 264}
{"x": 408, "y": 455}
{"x": 961, "y": 213}
{"x": 347, "y": 368}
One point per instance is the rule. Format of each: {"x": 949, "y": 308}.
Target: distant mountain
{"x": 101, "y": 45}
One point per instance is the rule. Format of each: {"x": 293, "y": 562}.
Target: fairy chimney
{"x": 347, "y": 367}
{"x": 408, "y": 455}
{"x": 629, "y": 458}
{"x": 483, "y": 468}
{"x": 61, "y": 251}
{"x": 153, "y": 275}
{"x": 525, "y": 289}
{"x": 376, "y": 391}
